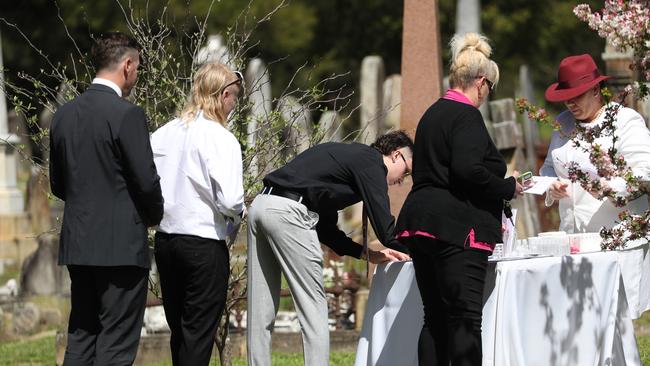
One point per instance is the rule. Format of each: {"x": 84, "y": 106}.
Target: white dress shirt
{"x": 109, "y": 84}
{"x": 581, "y": 212}
{"x": 200, "y": 168}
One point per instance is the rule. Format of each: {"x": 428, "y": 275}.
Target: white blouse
{"x": 200, "y": 168}
{"x": 581, "y": 212}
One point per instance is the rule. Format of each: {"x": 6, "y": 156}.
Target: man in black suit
{"x": 102, "y": 166}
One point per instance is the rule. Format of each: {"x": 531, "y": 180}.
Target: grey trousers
{"x": 282, "y": 239}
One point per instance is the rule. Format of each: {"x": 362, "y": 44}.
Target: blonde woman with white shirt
{"x": 200, "y": 165}
{"x": 578, "y": 87}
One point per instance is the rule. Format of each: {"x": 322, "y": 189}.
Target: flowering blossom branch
{"x": 626, "y": 25}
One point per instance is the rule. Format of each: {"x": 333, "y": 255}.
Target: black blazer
{"x": 102, "y": 166}
{"x": 458, "y": 182}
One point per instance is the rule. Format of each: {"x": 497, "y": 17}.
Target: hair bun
{"x": 469, "y": 42}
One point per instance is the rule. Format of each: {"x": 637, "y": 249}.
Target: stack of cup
{"x": 498, "y": 251}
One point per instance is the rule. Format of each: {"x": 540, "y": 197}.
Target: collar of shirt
{"x": 109, "y": 84}
{"x": 457, "y": 96}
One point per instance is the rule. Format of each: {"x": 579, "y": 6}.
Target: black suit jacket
{"x": 102, "y": 166}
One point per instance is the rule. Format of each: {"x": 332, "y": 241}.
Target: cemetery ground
{"x": 39, "y": 350}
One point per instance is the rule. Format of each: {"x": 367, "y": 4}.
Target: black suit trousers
{"x": 194, "y": 276}
{"x": 106, "y": 315}
{"x": 451, "y": 281}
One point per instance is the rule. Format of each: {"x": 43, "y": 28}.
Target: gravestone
{"x": 391, "y": 103}
{"x": 508, "y": 139}
{"x": 531, "y": 130}
{"x": 40, "y": 274}
{"x": 372, "y": 95}
{"x": 297, "y": 129}
{"x": 330, "y": 126}
{"x": 468, "y": 16}
{"x": 13, "y": 220}
{"x": 468, "y": 19}
{"x": 258, "y": 89}
{"x": 215, "y": 49}
{"x": 26, "y": 318}
{"x": 11, "y": 199}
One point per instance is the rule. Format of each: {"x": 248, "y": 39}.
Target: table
{"x": 571, "y": 310}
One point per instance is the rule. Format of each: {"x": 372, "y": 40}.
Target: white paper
{"x": 540, "y": 185}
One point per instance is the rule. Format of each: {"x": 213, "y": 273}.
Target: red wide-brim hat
{"x": 575, "y": 76}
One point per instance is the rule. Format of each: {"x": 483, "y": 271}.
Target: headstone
{"x": 297, "y": 125}
{"x": 155, "y": 321}
{"x": 40, "y": 274}
{"x": 617, "y": 67}
{"x": 392, "y": 101}
{"x": 11, "y": 199}
{"x": 372, "y": 95}
{"x": 531, "y": 130}
{"x": 468, "y": 16}
{"x": 508, "y": 139}
{"x": 214, "y": 50}
{"x": 51, "y": 317}
{"x": 26, "y": 318}
{"x": 18, "y": 126}
{"x": 468, "y": 19}
{"x": 258, "y": 89}
{"x": 38, "y": 203}
{"x": 330, "y": 126}
{"x": 9, "y": 291}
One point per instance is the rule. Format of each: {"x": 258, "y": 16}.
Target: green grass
{"x": 284, "y": 359}
{"x": 32, "y": 352}
{"x": 644, "y": 349}
{"x": 41, "y": 353}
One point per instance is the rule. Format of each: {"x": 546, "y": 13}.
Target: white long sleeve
{"x": 200, "y": 166}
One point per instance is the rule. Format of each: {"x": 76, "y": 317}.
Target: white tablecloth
{"x": 569, "y": 310}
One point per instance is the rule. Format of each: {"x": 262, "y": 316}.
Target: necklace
{"x": 600, "y": 111}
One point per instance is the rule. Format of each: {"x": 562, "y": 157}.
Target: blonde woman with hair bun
{"x": 451, "y": 219}
{"x": 200, "y": 166}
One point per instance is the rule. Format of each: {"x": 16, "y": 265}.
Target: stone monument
{"x": 372, "y": 95}
{"x": 12, "y": 216}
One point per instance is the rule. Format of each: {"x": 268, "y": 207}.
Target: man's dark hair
{"x": 110, "y": 48}
{"x": 392, "y": 141}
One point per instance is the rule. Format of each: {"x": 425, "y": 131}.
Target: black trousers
{"x": 451, "y": 281}
{"x": 194, "y": 276}
{"x": 106, "y": 314}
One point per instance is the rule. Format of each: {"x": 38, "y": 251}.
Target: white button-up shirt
{"x": 581, "y": 212}
{"x": 200, "y": 166}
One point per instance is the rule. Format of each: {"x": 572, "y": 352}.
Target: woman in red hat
{"x": 579, "y": 88}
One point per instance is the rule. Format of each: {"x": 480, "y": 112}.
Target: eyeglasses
{"x": 240, "y": 80}
{"x": 408, "y": 171}
{"x": 489, "y": 83}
